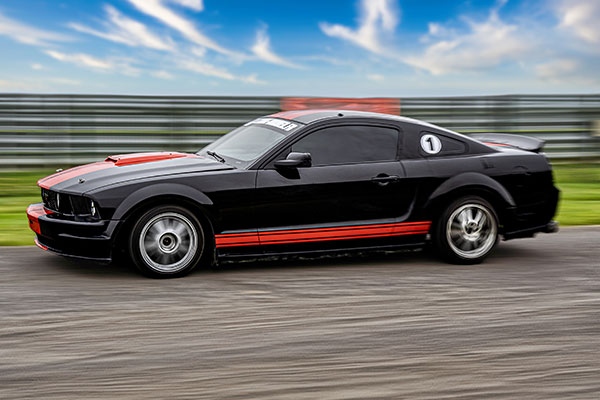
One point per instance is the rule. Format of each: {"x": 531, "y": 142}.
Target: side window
{"x": 349, "y": 145}
{"x": 434, "y": 144}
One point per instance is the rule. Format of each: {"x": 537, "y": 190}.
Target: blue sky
{"x": 352, "y": 48}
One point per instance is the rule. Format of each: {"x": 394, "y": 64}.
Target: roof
{"x": 310, "y": 116}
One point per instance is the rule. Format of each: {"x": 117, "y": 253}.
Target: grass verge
{"x": 579, "y": 205}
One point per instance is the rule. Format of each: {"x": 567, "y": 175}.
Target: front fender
{"x": 470, "y": 180}
{"x": 160, "y": 189}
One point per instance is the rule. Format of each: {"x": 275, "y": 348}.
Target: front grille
{"x": 64, "y": 203}
{"x": 80, "y": 205}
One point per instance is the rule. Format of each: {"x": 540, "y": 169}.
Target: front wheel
{"x": 466, "y": 231}
{"x": 166, "y": 242}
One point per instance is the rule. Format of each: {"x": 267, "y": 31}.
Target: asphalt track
{"x": 523, "y": 325}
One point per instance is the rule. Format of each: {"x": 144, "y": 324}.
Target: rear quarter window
{"x": 432, "y": 144}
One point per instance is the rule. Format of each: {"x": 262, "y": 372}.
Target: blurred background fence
{"x": 59, "y": 130}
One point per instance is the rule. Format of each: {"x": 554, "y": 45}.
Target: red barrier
{"x": 380, "y": 105}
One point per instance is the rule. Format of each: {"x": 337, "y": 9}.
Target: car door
{"x": 350, "y": 196}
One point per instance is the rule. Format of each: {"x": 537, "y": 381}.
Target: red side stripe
{"x": 236, "y": 241}
{"x": 57, "y": 178}
{"x": 256, "y": 243}
{"x": 321, "y": 234}
{"x": 339, "y": 234}
{"x": 346, "y": 237}
{"x": 342, "y": 228}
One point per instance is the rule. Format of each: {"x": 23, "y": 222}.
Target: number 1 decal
{"x": 431, "y": 144}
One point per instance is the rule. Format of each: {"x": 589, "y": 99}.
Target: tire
{"x": 167, "y": 242}
{"x": 466, "y": 231}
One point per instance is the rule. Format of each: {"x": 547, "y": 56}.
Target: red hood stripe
{"x": 54, "y": 179}
{"x": 139, "y": 158}
{"x": 112, "y": 161}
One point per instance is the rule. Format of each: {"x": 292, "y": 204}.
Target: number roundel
{"x": 431, "y": 144}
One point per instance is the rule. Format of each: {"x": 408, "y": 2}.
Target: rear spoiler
{"x": 502, "y": 139}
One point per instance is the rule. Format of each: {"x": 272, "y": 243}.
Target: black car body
{"x": 302, "y": 181}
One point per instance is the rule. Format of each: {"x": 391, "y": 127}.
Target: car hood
{"x": 128, "y": 167}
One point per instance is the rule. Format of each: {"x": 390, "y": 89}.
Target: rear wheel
{"x": 166, "y": 242}
{"x": 466, "y": 231}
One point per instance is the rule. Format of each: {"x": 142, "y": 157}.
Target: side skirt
{"x": 233, "y": 257}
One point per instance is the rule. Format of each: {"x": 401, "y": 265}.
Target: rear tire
{"x": 167, "y": 242}
{"x": 466, "y": 231}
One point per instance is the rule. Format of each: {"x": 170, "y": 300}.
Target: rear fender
{"x": 475, "y": 184}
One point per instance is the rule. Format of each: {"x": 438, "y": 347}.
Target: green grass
{"x": 579, "y": 205}
{"x": 580, "y": 194}
{"x": 17, "y": 191}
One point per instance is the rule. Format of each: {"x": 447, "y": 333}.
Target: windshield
{"x": 247, "y": 143}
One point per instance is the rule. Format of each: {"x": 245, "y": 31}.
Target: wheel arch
{"x": 148, "y": 193}
{"x": 474, "y": 184}
{"x": 172, "y": 194}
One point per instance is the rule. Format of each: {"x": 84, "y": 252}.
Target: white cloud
{"x": 115, "y": 64}
{"x": 338, "y": 62}
{"x": 162, "y": 75}
{"x": 376, "y": 16}
{"x": 197, "y": 5}
{"x": 485, "y": 45}
{"x": 375, "y": 77}
{"x": 122, "y": 29}
{"x": 252, "y": 78}
{"x": 37, "y": 66}
{"x": 80, "y": 59}
{"x": 262, "y": 50}
{"x": 198, "y": 51}
{"x": 581, "y": 17}
{"x": 158, "y": 10}
{"x": 207, "y": 69}
{"x": 556, "y": 69}
{"x": 10, "y": 85}
{"x": 26, "y": 34}
{"x": 65, "y": 81}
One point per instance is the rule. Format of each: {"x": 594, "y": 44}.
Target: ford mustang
{"x": 305, "y": 181}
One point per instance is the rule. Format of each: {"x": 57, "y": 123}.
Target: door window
{"x": 350, "y": 145}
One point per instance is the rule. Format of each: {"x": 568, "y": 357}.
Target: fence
{"x": 58, "y": 130}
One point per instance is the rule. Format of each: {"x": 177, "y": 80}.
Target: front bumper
{"x": 81, "y": 239}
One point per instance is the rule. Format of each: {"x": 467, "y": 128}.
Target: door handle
{"x": 384, "y": 179}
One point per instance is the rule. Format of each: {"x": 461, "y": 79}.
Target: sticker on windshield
{"x": 431, "y": 144}
{"x": 277, "y": 123}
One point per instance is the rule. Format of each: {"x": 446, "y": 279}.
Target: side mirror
{"x": 295, "y": 160}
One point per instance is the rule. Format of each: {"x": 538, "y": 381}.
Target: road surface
{"x": 523, "y": 325}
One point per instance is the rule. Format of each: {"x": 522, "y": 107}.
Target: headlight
{"x": 70, "y": 205}
{"x": 93, "y": 209}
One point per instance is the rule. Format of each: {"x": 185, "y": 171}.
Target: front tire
{"x": 466, "y": 231}
{"x": 167, "y": 242}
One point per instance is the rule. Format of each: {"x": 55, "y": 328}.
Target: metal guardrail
{"x": 58, "y": 130}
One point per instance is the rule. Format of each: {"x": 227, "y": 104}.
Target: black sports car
{"x": 301, "y": 181}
